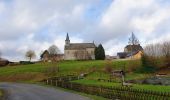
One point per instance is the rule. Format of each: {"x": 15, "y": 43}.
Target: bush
{"x": 26, "y": 62}
{"x": 132, "y": 65}
{"x": 148, "y": 65}
{"x": 51, "y": 71}
{"x": 4, "y": 62}
{"x": 108, "y": 66}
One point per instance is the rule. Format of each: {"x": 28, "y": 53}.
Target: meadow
{"x": 95, "y": 69}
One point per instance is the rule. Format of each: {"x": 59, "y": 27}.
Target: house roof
{"x": 132, "y": 53}
{"x": 2, "y": 59}
{"x": 134, "y": 48}
{"x": 79, "y": 46}
{"x": 122, "y": 54}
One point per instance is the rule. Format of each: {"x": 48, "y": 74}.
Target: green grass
{"x": 135, "y": 86}
{"x": 36, "y": 72}
{"x": 65, "y": 67}
{"x": 1, "y": 93}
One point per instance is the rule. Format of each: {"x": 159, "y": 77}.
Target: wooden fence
{"x": 122, "y": 93}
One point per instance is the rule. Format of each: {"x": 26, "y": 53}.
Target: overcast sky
{"x": 37, "y": 24}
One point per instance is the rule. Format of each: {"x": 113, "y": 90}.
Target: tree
{"x": 0, "y": 54}
{"x": 166, "y": 53}
{"x": 53, "y": 51}
{"x": 99, "y": 53}
{"x": 30, "y": 54}
{"x": 133, "y": 40}
{"x": 44, "y": 56}
{"x": 96, "y": 52}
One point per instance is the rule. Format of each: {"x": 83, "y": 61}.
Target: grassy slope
{"x": 36, "y": 72}
{"x": 67, "y": 66}
{"x": 135, "y": 86}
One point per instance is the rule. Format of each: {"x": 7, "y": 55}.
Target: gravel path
{"x": 18, "y": 91}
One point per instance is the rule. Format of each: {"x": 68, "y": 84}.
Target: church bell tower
{"x": 67, "y": 41}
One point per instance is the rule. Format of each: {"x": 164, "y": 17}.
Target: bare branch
{"x": 30, "y": 54}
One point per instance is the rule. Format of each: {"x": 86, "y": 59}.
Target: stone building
{"x": 78, "y": 51}
{"x": 133, "y": 48}
{"x": 46, "y": 57}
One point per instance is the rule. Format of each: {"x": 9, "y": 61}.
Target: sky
{"x": 37, "y": 24}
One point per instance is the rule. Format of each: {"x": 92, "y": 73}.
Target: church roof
{"x": 79, "y": 46}
{"x": 67, "y": 38}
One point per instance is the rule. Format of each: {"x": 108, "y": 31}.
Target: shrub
{"x": 148, "y": 65}
{"x": 26, "y": 62}
{"x": 132, "y": 65}
{"x": 108, "y": 66}
{"x": 4, "y": 62}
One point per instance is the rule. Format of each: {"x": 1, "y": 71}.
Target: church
{"x": 78, "y": 51}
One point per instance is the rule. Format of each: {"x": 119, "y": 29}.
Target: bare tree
{"x": 157, "y": 55}
{"x": 0, "y": 54}
{"x": 53, "y": 49}
{"x": 30, "y": 54}
{"x": 133, "y": 40}
{"x": 166, "y": 53}
{"x": 54, "y": 56}
{"x": 53, "y": 52}
{"x": 166, "y": 49}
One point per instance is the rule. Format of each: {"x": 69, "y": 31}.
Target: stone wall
{"x": 83, "y": 54}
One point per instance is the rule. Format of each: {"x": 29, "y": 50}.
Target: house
{"x": 121, "y": 55}
{"x": 132, "y": 51}
{"x": 47, "y": 57}
{"x": 108, "y": 57}
{"x": 3, "y": 62}
{"x": 78, "y": 51}
{"x": 133, "y": 48}
{"x": 134, "y": 55}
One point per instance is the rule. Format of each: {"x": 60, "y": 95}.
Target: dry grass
{"x": 23, "y": 77}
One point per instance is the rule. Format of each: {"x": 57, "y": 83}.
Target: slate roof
{"x": 122, "y": 54}
{"x": 79, "y": 46}
{"x": 132, "y": 54}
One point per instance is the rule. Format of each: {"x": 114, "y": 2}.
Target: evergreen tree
{"x": 99, "y": 53}
{"x": 96, "y": 53}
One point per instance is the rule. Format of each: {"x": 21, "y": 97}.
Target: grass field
{"x": 135, "y": 86}
{"x": 37, "y": 72}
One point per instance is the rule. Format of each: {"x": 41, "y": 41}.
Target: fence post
{"x": 47, "y": 81}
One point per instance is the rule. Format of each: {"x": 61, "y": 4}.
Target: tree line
{"x": 156, "y": 56}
